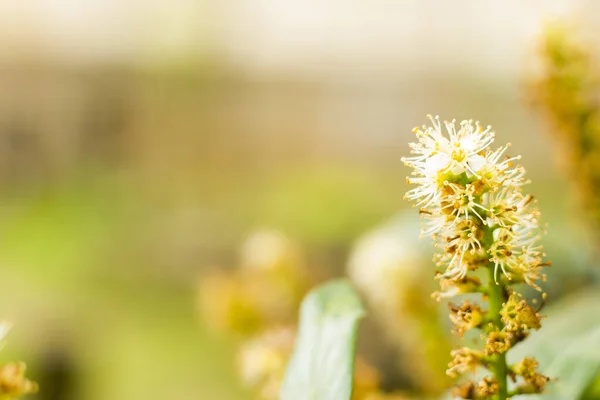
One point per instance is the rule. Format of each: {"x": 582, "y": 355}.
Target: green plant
{"x": 483, "y": 227}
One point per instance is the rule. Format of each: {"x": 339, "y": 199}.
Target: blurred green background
{"x": 140, "y": 143}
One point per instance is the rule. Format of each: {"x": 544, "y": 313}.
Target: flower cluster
{"x": 471, "y": 198}
{"x": 566, "y": 94}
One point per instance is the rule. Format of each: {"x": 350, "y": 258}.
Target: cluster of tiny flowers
{"x": 487, "y": 387}
{"x": 470, "y": 196}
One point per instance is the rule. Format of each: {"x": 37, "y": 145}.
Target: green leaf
{"x": 322, "y": 364}
{"x": 576, "y": 367}
{"x": 593, "y": 391}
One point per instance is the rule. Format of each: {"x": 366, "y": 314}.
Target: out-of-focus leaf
{"x": 593, "y": 391}
{"x": 322, "y": 365}
{"x": 576, "y": 367}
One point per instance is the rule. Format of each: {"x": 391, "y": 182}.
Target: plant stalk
{"x": 495, "y": 299}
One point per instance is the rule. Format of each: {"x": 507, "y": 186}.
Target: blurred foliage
{"x": 388, "y": 264}
{"x": 265, "y": 291}
{"x": 258, "y": 303}
{"x": 567, "y": 93}
{"x": 325, "y": 205}
{"x": 92, "y": 314}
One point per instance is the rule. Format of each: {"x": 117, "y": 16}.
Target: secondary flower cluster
{"x": 566, "y": 92}
{"x": 13, "y": 382}
{"x": 471, "y": 198}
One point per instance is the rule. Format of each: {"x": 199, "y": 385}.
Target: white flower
{"x": 470, "y": 196}
{"x": 458, "y": 153}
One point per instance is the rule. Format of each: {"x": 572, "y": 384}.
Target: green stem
{"x": 495, "y": 299}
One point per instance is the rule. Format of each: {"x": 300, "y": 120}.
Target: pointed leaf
{"x": 322, "y": 365}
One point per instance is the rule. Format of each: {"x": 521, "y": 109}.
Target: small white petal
{"x": 468, "y": 143}
{"x": 476, "y": 162}
{"x": 436, "y": 163}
